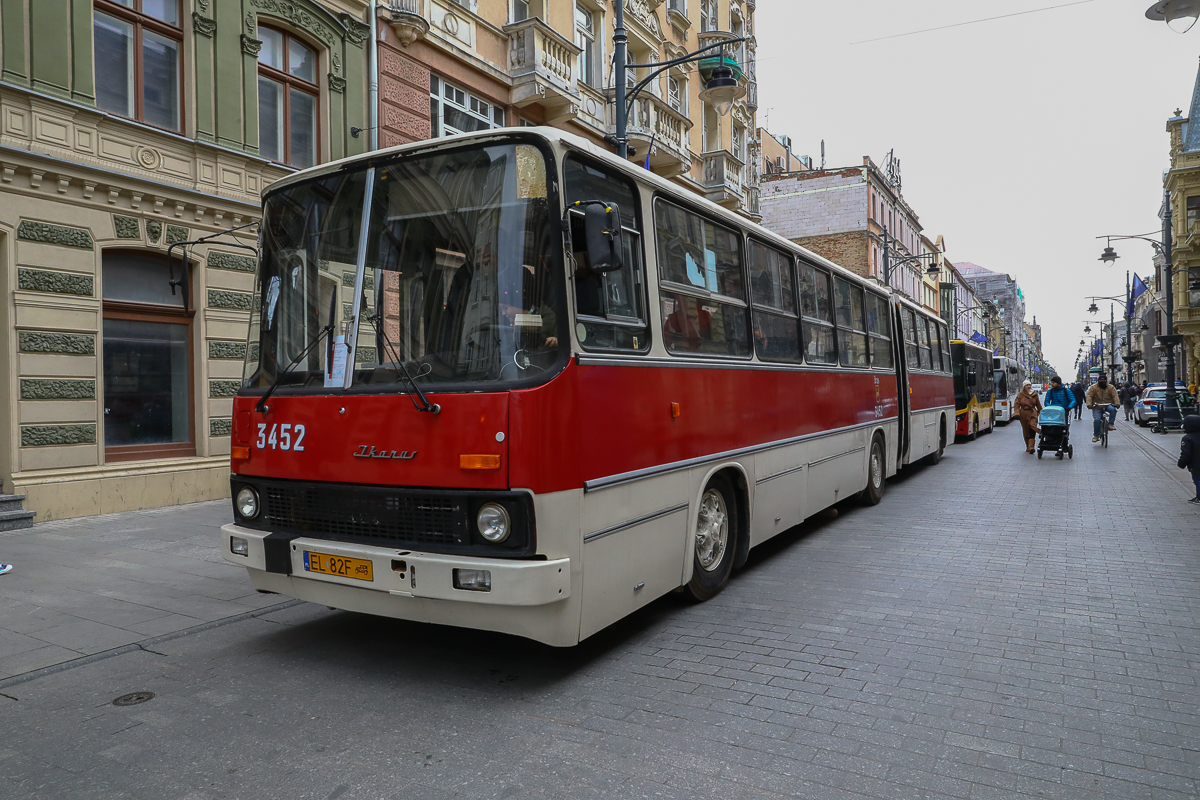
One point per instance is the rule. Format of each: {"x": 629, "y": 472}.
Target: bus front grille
{"x": 379, "y": 517}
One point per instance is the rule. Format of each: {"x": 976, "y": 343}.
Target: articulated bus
{"x": 1008, "y": 375}
{"x": 974, "y": 390}
{"x": 508, "y": 381}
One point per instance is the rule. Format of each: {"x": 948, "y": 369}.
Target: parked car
{"x": 1145, "y": 410}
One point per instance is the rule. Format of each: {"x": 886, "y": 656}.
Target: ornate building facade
{"x": 449, "y": 66}
{"x": 126, "y": 128}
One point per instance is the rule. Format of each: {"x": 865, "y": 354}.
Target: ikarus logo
{"x": 369, "y": 451}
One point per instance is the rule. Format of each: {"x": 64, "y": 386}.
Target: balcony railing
{"x": 724, "y": 177}
{"x": 652, "y": 119}
{"x": 542, "y": 64}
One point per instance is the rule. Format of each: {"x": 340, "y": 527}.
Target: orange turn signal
{"x": 479, "y": 461}
{"x": 238, "y": 453}
{"x": 674, "y": 410}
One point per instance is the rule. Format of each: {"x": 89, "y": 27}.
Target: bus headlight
{"x": 493, "y": 523}
{"x": 247, "y": 502}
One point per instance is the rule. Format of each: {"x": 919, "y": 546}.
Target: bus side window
{"x": 852, "y": 334}
{"x": 923, "y": 344}
{"x": 701, "y": 285}
{"x": 610, "y": 306}
{"x": 816, "y": 308}
{"x": 879, "y": 329}
{"x": 911, "y": 351}
{"x": 945, "y": 350}
{"x": 775, "y": 321}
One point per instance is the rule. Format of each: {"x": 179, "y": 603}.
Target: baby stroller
{"x": 1055, "y": 433}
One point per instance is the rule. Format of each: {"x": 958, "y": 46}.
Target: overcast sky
{"x": 1020, "y": 139}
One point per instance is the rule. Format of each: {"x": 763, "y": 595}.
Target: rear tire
{"x": 934, "y": 458}
{"x": 974, "y": 434}
{"x": 876, "y": 475}
{"x": 715, "y": 539}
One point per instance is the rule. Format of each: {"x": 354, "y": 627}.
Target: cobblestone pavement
{"x": 999, "y": 627}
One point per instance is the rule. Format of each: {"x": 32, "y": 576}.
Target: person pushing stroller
{"x": 1054, "y": 420}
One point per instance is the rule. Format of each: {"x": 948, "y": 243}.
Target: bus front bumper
{"x": 398, "y": 573}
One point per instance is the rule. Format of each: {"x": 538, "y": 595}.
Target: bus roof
{"x": 611, "y": 159}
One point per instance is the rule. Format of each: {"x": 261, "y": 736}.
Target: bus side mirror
{"x": 602, "y": 231}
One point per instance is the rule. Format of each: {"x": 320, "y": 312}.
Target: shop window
{"x": 147, "y": 372}
{"x": 137, "y": 60}
{"x": 288, "y": 99}
{"x": 453, "y": 110}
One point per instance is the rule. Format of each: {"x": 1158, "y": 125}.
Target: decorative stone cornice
{"x": 153, "y": 230}
{"x": 203, "y": 25}
{"x": 127, "y": 227}
{"x": 336, "y": 83}
{"x": 230, "y": 261}
{"x": 41, "y": 280}
{"x": 46, "y": 435}
{"x": 366, "y": 355}
{"x": 294, "y": 11}
{"x": 356, "y": 32}
{"x": 76, "y": 344}
{"x": 251, "y": 46}
{"x": 223, "y": 388}
{"x": 239, "y": 301}
{"x": 220, "y": 427}
{"x": 229, "y": 350}
{"x": 176, "y": 233}
{"x": 54, "y": 234}
{"x": 57, "y": 389}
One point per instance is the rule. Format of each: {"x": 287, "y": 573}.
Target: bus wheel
{"x": 715, "y": 537}
{"x": 876, "y": 475}
{"x": 935, "y": 457}
{"x": 974, "y": 434}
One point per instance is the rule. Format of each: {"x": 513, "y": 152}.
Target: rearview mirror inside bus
{"x": 602, "y": 226}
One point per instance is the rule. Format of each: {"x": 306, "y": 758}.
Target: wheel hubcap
{"x": 712, "y": 530}
{"x": 876, "y": 468}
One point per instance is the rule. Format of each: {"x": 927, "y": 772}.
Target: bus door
{"x": 904, "y": 399}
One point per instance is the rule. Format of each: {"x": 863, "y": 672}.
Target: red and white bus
{"x": 508, "y": 381}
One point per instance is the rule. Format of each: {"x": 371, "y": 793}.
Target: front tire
{"x": 974, "y": 434}
{"x": 876, "y": 476}
{"x": 715, "y": 540}
{"x": 934, "y": 458}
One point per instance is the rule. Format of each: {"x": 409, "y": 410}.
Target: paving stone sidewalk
{"x": 84, "y": 586}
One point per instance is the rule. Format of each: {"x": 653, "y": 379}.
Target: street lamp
{"x": 1170, "y": 414}
{"x": 721, "y": 89}
{"x": 1180, "y": 15}
{"x": 932, "y": 269}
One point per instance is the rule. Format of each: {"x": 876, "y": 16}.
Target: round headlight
{"x": 493, "y": 523}
{"x": 247, "y": 502}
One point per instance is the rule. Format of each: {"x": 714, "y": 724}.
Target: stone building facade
{"x": 125, "y": 128}
{"x": 1183, "y": 188}
{"x": 843, "y": 215}
{"x": 1001, "y": 290}
{"x": 449, "y": 66}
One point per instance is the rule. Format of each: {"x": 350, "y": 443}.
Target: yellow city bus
{"x": 974, "y": 390}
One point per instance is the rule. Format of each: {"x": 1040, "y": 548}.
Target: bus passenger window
{"x": 704, "y": 308}
{"x": 852, "y": 335}
{"x": 945, "y": 350}
{"x": 610, "y": 306}
{"x": 816, "y": 309}
{"x": 775, "y": 322}
{"x": 879, "y": 329}
{"x": 911, "y": 349}
{"x": 923, "y": 347}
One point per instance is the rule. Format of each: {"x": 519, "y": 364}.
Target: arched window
{"x": 147, "y": 364}
{"x": 288, "y": 99}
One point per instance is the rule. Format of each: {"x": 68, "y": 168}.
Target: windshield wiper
{"x": 424, "y": 405}
{"x": 261, "y": 405}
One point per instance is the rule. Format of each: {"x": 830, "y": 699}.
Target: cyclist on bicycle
{"x": 1102, "y": 398}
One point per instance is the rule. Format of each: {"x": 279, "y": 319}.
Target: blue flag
{"x": 978, "y": 338}
{"x": 1139, "y": 288}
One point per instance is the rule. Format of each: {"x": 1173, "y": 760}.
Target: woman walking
{"x": 1028, "y": 406}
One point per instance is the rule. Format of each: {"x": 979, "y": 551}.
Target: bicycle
{"x": 1104, "y": 422}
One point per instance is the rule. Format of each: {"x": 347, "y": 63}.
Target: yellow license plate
{"x": 342, "y": 566}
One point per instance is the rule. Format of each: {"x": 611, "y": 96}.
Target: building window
{"x": 137, "y": 58}
{"x": 585, "y": 38}
{"x": 678, "y": 6}
{"x": 287, "y": 99}
{"x": 1193, "y": 211}
{"x": 675, "y": 94}
{"x": 526, "y": 9}
{"x": 453, "y": 110}
{"x": 147, "y": 367}
{"x": 708, "y": 15}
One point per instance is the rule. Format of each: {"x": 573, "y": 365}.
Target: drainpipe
{"x": 373, "y": 82}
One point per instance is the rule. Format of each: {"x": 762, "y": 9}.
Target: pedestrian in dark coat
{"x": 1078, "y": 391}
{"x": 1126, "y": 396}
{"x": 1028, "y": 405}
{"x": 1189, "y": 452}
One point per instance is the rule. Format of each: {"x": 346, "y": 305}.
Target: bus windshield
{"x": 459, "y": 285}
